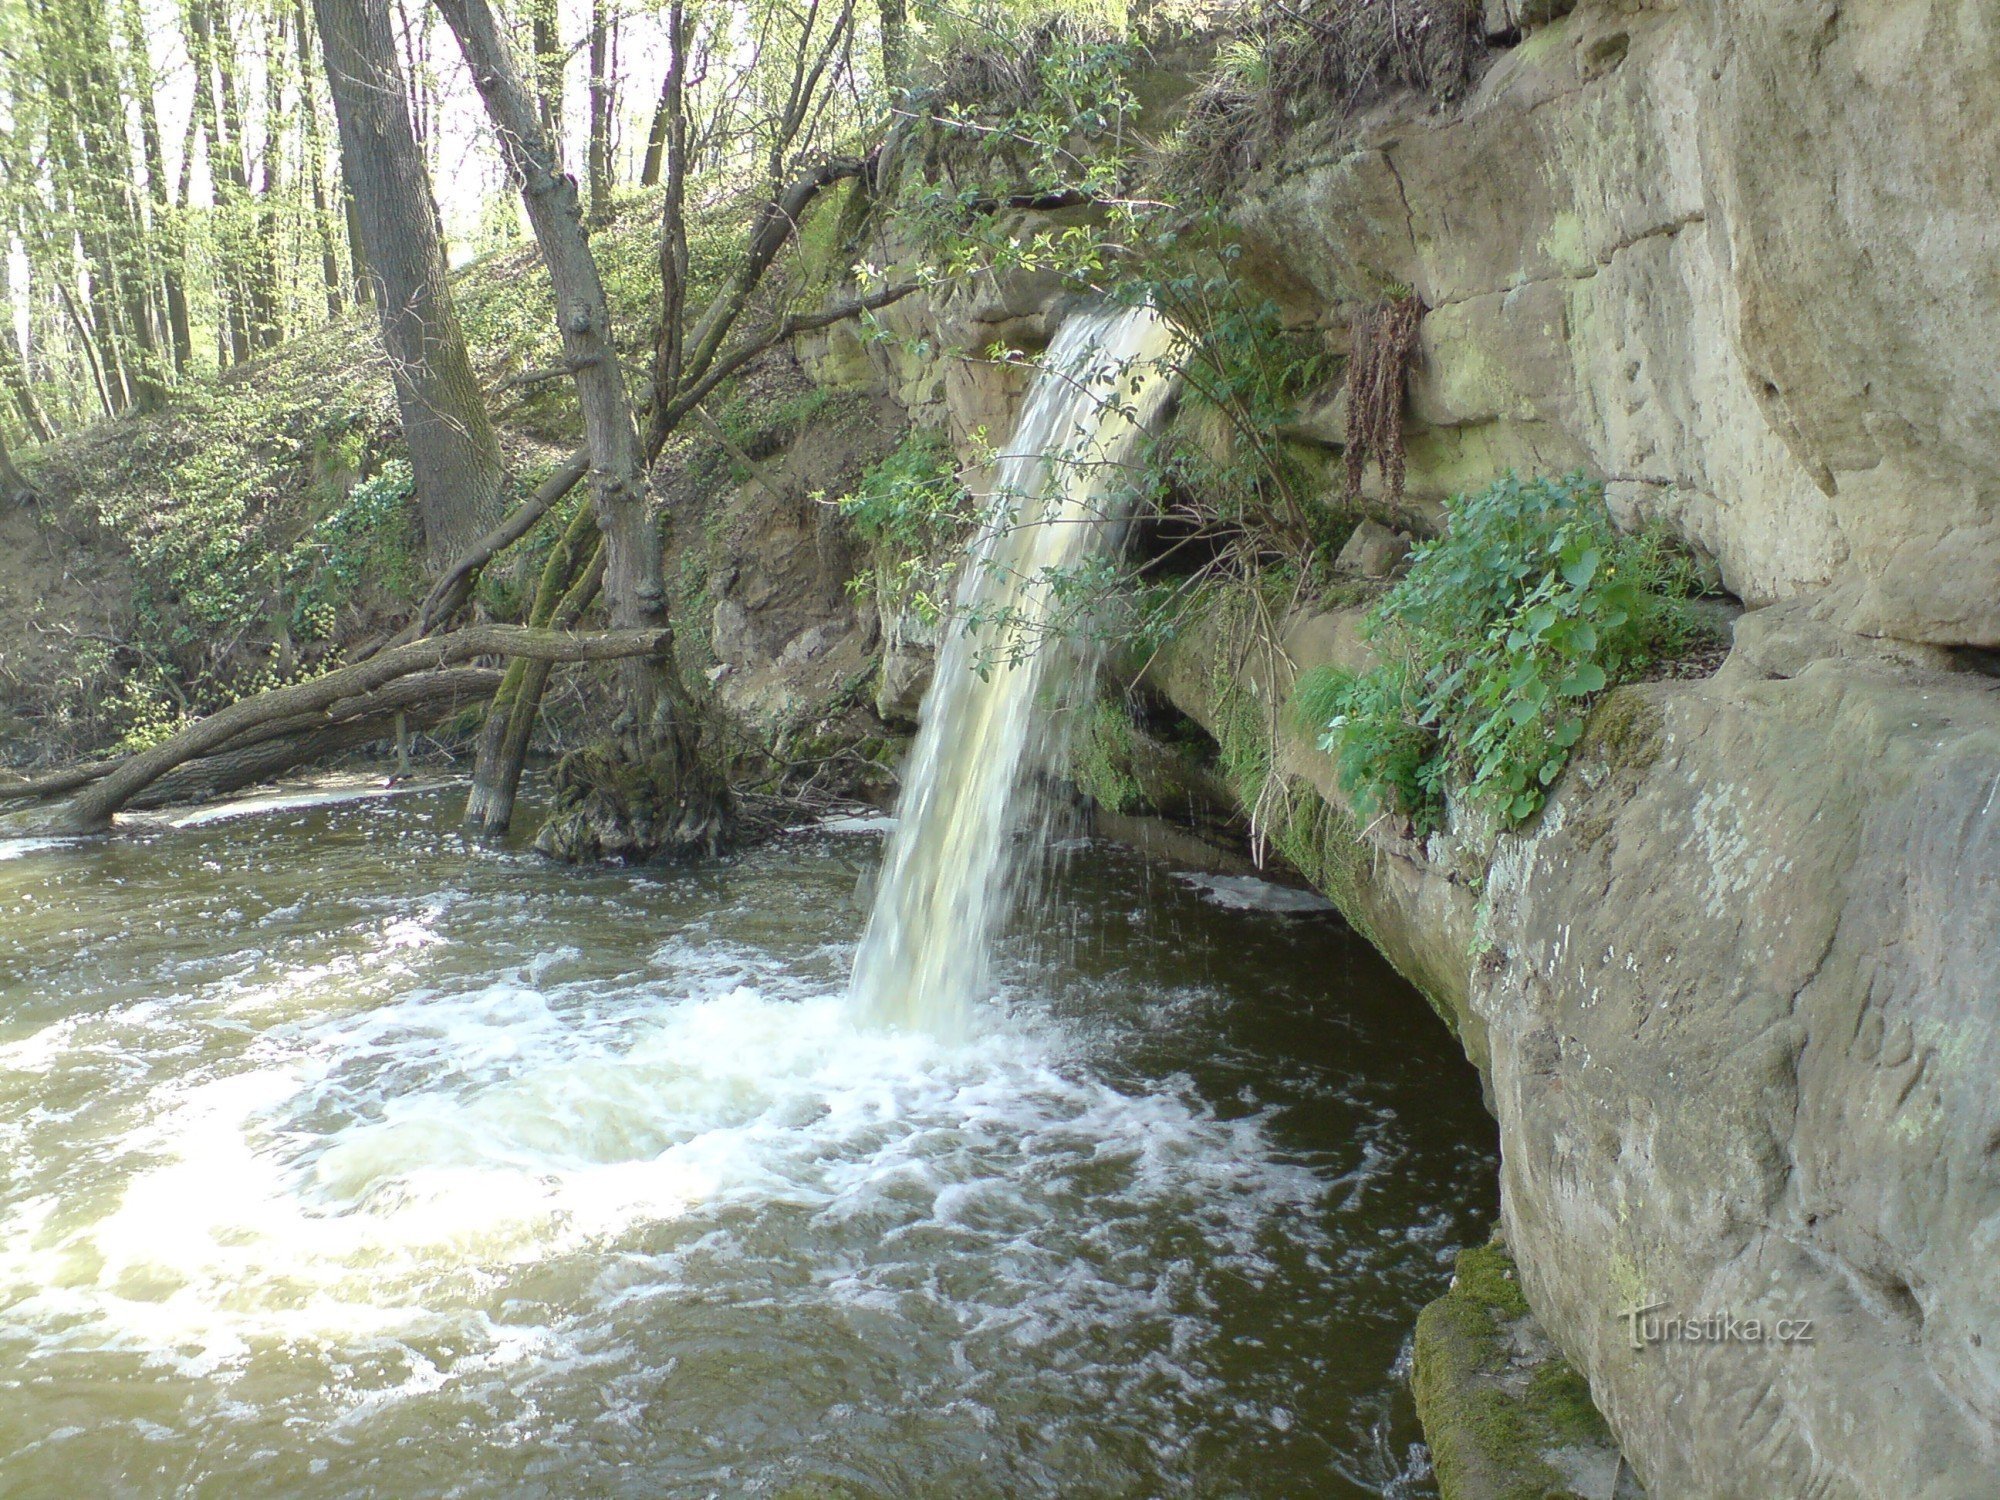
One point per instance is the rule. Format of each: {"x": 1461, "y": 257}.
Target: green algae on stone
{"x": 1505, "y": 1415}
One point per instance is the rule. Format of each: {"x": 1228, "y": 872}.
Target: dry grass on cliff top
{"x": 1281, "y": 63}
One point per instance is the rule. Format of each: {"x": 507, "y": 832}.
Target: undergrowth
{"x": 1505, "y": 631}
{"x": 1286, "y": 62}
{"x": 914, "y": 509}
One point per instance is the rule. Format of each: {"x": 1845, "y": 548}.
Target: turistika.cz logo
{"x": 1652, "y": 1324}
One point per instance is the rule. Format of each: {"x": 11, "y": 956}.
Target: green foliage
{"x": 1043, "y": 102}
{"x": 1225, "y": 465}
{"x": 1286, "y": 61}
{"x": 915, "y": 510}
{"x": 368, "y": 540}
{"x": 1497, "y": 643}
{"x": 1101, "y": 757}
{"x": 912, "y": 502}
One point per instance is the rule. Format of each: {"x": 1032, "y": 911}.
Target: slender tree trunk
{"x": 315, "y": 144}
{"x": 656, "y": 137}
{"x": 601, "y": 110}
{"x": 87, "y": 340}
{"x": 545, "y": 33}
{"x": 77, "y": 151}
{"x": 213, "y": 48}
{"x": 235, "y": 186}
{"x": 357, "y": 256}
{"x": 503, "y": 748}
{"x": 166, "y": 205}
{"x": 14, "y": 374}
{"x": 895, "y": 20}
{"x": 13, "y": 487}
{"x": 453, "y": 453}
{"x": 684, "y": 806}
{"x": 268, "y": 320}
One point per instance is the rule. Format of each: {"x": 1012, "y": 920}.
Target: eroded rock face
{"x": 1739, "y": 257}
{"x": 1742, "y": 1020}
{"x": 1734, "y": 996}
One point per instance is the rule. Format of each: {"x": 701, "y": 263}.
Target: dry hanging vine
{"x": 1384, "y": 340}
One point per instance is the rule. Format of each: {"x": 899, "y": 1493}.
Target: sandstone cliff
{"x": 1734, "y": 993}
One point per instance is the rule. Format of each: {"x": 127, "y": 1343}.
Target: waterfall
{"x": 985, "y": 729}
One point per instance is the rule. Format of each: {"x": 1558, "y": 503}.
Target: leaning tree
{"x": 652, "y": 790}
{"x": 454, "y": 456}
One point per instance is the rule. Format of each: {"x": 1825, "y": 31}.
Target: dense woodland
{"x": 220, "y": 212}
{"x": 188, "y": 188}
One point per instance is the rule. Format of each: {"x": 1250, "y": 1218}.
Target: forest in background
{"x": 695, "y": 205}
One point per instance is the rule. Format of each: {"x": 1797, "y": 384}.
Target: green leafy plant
{"x": 911, "y": 502}
{"x": 365, "y": 540}
{"x": 1504, "y": 632}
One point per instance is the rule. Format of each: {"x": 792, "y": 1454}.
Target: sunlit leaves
{"x": 1506, "y": 627}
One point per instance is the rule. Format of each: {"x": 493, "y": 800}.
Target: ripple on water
{"x": 456, "y": 1165}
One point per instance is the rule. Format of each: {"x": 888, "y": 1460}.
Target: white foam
{"x": 16, "y": 848}
{"x": 1247, "y": 893}
{"x": 386, "y": 1175}
{"x": 863, "y": 823}
{"x": 293, "y": 801}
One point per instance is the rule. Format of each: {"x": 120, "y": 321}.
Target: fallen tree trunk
{"x": 247, "y": 762}
{"x": 90, "y": 810}
{"x": 457, "y": 686}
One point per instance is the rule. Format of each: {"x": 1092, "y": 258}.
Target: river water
{"x": 340, "y": 1156}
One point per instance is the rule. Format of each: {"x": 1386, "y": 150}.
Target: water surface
{"x": 339, "y": 1156}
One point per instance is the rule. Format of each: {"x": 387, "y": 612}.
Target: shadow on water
{"x": 342, "y": 1157}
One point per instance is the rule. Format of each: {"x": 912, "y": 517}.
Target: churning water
{"x": 993, "y": 716}
{"x": 340, "y": 1157}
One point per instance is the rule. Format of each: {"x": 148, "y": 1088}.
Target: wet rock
{"x": 1505, "y": 1415}
{"x": 904, "y": 679}
{"x": 1735, "y": 995}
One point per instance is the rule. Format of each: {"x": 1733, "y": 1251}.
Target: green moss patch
{"x": 1498, "y": 1408}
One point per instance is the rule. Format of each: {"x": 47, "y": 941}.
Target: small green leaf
{"x": 1586, "y": 679}
{"x": 1579, "y": 571}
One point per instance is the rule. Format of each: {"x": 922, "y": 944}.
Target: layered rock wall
{"x": 1740, "y": 258}
{"x": 1735, "y": 994}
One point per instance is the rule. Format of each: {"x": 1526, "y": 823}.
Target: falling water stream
{"x": 342, "y": 1157}
{"x": 994, "y": 712}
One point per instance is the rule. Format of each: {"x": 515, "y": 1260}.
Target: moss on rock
{"x": 1506, "y": 1416}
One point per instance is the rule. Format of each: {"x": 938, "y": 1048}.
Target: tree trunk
{"x": 14, "y": 375}
{"x": 166, "y": 211}
{"x": 453, "y": 452}
{"x": 232, "y": 181}
{"x": 458, "y": 687}
{"x": 90, "y": 811}
{"x": 560, "y": 600}
{"x": 430, "y": 699}
{"x": 357, "y": 257}
{"x": 14, "y": 489}
{"x": 601, "y": 108}
{"x": 545, "y": 33}
{"x": 667, "y": 799}
{"x": 895, "y": 19}
{"x": 267, "y": 318}
{"x": 315, "y": 152}
{"x": 667, "y": 114}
